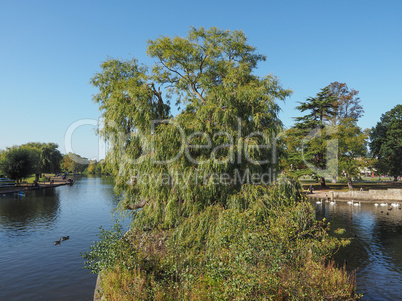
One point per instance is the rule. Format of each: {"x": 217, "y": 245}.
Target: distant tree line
{"x": 35, "y": 158}
{"x": 19, "y": 162}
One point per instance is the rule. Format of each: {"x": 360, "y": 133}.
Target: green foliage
{"x": 386, "y": 142}
{"x": 327, "y": 140}
{"x": 98, "y": 168}
{"x": 17, "y": 163}
{"x": 228, "y": 112}
{"x": 209, "y": 228}
{"x": 74, "y": 163}
{"x": 46, "y": 156}
{"x": 112, "y": 248}
{"x": 273, "y": 248}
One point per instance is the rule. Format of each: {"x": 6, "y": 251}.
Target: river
{"x": 31, "y": 266}
{"x": 376, "y": 247}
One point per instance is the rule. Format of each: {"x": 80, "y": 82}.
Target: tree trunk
{"x": 350, "y": 184}
{"x": 323, "y": 182}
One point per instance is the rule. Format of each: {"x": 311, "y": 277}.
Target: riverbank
{"x": 54, "y": 182}
{"x": 367, "y": 192}
{"x": 371, "y": 196}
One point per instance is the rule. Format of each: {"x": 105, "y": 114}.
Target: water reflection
{"x": 23, "y": 215}
{"x": 376, "y": 247}
{"x": 32, "y": 267}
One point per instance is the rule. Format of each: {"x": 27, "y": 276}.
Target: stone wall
{"x": 371, "y": 195}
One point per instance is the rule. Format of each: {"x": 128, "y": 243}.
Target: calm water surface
{"x": 31, "y": 266}
{"x": 376, "y": 248}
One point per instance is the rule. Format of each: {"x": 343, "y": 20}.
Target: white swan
{"x": 356, "y": 204}
{"x": 350, "y": 202}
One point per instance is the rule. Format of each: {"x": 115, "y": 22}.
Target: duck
{"x": 65, "y": 238}
{"x": 57, "y": 242}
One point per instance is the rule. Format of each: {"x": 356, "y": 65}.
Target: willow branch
{"x": 136, "y": 206}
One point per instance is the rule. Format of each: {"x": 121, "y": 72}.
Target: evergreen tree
{"x": 386, "y": 142}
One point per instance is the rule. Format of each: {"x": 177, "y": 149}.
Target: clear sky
{"x": 49, "y": 50}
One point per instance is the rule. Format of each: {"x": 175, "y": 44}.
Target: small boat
{"x": 20, "y": 193}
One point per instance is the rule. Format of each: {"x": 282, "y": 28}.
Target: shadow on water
{"x": 39, "y": 209}
{"x": 376, "y": 246}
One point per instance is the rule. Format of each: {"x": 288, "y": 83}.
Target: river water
{"x": 376, "y": 247}
{"x": 31, "y": 266}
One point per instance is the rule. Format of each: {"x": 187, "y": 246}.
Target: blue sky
{"x": 49, "y": 50}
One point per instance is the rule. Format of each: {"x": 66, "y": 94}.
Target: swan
{"x": 57, "y": 242}
{"x": 357, "y": 204}
{"x": 318, "y": 202}
{"x": 332, "y": 202}
{"x": 350, "y": 202}
{"x": 383, "y": 204}
{"x": 376, "y": 204}
{"x": 394, "y": 204}
{"x": 65, "y": 238}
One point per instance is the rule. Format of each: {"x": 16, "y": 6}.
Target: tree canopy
{"x": 214, "y": 221}
{"x": 386, "y": 142}
{"x": 17, "y": 163}
{"x": 327, "y": 141}
{"x": 225, "y": 127}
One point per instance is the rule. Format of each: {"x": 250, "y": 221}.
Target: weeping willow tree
{"x": 210, "y": 227}
{"x": 222, "y": 138}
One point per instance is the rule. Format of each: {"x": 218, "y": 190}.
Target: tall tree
{"x": 386, "y": 142}
{"x": 352, "y": 148}
{"x": 348, "y": 102}
{"x": 17, "y": 163}
{"x": 210, "y": 75}
{"x": 193, "y": 174}
{"x": 321, "y": 109}
{"x": 328, "y": 136}
{"x": 46, "y": 157}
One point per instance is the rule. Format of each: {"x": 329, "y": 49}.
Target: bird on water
{"x": 65, "y": 238}
{"x": 57, "y": 242}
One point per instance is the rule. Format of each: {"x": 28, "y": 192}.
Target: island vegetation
{"x": 218, "y": 212}
{"x": 215, "y": 190}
